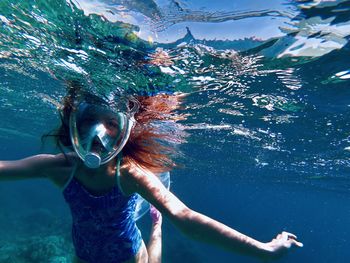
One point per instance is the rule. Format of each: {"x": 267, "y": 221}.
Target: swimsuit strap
{"x": 70, "y": 176}
{"x": 117, "y": 174}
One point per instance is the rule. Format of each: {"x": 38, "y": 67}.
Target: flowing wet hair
{"x": 154, "y": 140}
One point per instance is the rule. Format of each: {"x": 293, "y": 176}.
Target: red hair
{"x": 154, "y": 138}
{"x": 151, "y": 144}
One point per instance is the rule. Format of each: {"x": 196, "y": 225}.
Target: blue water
{"x": 268, "y": 104}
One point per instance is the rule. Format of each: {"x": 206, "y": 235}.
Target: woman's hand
{"x": 156, "y": 216}
{"x": 280, "y": 245}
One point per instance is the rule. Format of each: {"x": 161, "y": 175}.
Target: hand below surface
{"x": 155, "y": 215}
{"x": 281, "y": 243}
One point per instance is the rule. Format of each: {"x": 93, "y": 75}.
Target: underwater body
{"x": 267, "y": 106}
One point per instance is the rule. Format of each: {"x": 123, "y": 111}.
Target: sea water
{"x": 267, "y": 101}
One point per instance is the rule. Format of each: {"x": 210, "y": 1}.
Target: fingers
{"x": 289, "y": 235}
{"x": 155, "y": 215}
{"x": 290, "y": 238}
{"x": 297, "y": 243}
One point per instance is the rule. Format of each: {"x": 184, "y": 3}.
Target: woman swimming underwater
{"x": 116, "y": 152}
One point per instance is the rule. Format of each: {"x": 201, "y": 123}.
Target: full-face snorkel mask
{"x": 100, "y": 131}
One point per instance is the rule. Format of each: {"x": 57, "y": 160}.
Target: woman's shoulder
{"x": 55, "y": 161}
{"x": 133, "y": 177}
{"x": 60, "y": 167}
{"x": 66, "y": 159}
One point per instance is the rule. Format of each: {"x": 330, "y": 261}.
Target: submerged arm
{"x": 199, "y": 226}
{"x": 37, "y": 166}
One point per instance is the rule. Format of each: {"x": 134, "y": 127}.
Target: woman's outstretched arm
{"x": 37, "y": 166}
{"x": 197, "y": 225}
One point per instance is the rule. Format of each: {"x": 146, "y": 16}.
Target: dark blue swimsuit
{"x": 104, "y": 229}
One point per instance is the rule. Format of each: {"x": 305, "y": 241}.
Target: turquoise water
{"x": 268, "y": 98}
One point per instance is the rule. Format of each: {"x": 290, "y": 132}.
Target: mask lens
{"x": 99, "y": 132}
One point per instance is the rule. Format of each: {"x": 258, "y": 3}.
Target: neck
{"x": 108, "y": 169}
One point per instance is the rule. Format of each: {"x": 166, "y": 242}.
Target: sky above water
{"x": 262, "y": 27}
